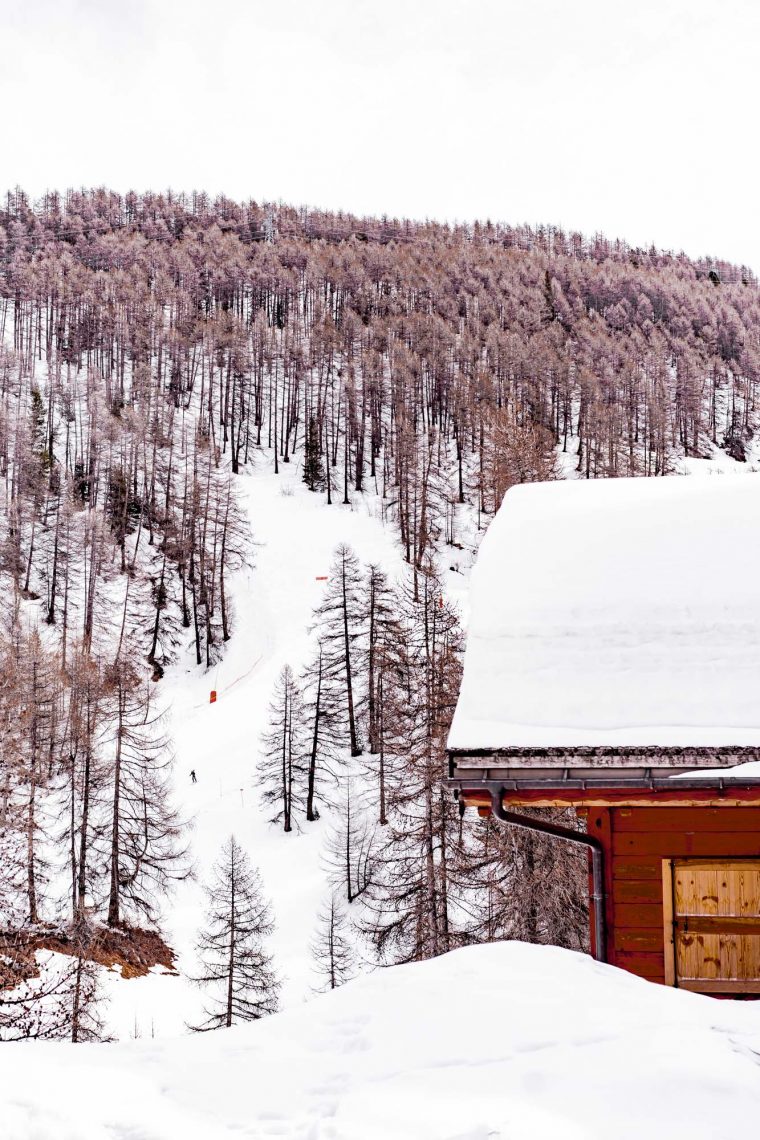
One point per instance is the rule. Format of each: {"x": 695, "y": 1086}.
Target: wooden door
{"x": 712, "y": 924}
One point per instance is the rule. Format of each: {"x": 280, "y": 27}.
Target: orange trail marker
{"x": 323, "y": 579}
{"x": 212, "y": 698}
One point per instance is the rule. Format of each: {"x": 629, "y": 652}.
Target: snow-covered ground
{"x": 295, "y": 536}
{"x": 503, "y": 1041}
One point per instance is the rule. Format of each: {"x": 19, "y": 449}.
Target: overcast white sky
{"x": 636, "y": 118}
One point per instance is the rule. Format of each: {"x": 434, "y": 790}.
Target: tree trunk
{"x": 113, "y": 897}
{"x": 355, "y": 749}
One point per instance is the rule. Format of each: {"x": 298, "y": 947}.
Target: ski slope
{"x": 502, "y": 1041}
{"x": 295, "y": 535}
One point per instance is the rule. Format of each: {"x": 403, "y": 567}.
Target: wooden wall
{"x": 636, "y": 840}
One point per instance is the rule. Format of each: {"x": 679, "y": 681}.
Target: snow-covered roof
{"x": 620, "y": 612}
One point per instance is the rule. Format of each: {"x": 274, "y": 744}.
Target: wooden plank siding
{"x": 636, "y": 841}
{"x": 686, "y": 819}
{"x": 687, "y": 843}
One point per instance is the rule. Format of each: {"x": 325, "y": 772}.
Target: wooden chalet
{"x": 613, "y": 667}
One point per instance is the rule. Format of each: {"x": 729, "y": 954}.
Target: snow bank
{"x": 616, "y": 612}
{"x": 506, "y": 1040}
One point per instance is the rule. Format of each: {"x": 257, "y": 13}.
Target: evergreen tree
{"x": 339, "y": 625}
{"x": 381, "y": 661}
{"x": 322, "y": 724}
{"x": 313, "y": 469}
{"x": 408, "y": 899}
{"x": 283, "y": 767}
{"x": 33, "y": 749}
{"x": 236, "y": 971}
{"x": 145, "y": 852}
{"x": 331, "y": 948}
{"x": 351, "y": 845}
{"x": 383, "y": 636}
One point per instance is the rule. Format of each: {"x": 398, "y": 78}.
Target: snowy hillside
{"x": 295, "y": 536}
{"x": 506, "y": 1040}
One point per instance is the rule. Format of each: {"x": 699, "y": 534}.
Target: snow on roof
{"x": 616, "y": 612}
{"x": 749, "y": 770}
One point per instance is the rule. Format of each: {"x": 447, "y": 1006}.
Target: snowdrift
{"x": 505, "y": 1040}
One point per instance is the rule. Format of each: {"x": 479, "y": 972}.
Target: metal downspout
{"x": 589, "y": 841}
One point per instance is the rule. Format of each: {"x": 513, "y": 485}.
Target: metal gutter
{"x": 475, "y": 782}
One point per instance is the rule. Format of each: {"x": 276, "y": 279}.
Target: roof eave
{"x": 626, "y": 783}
